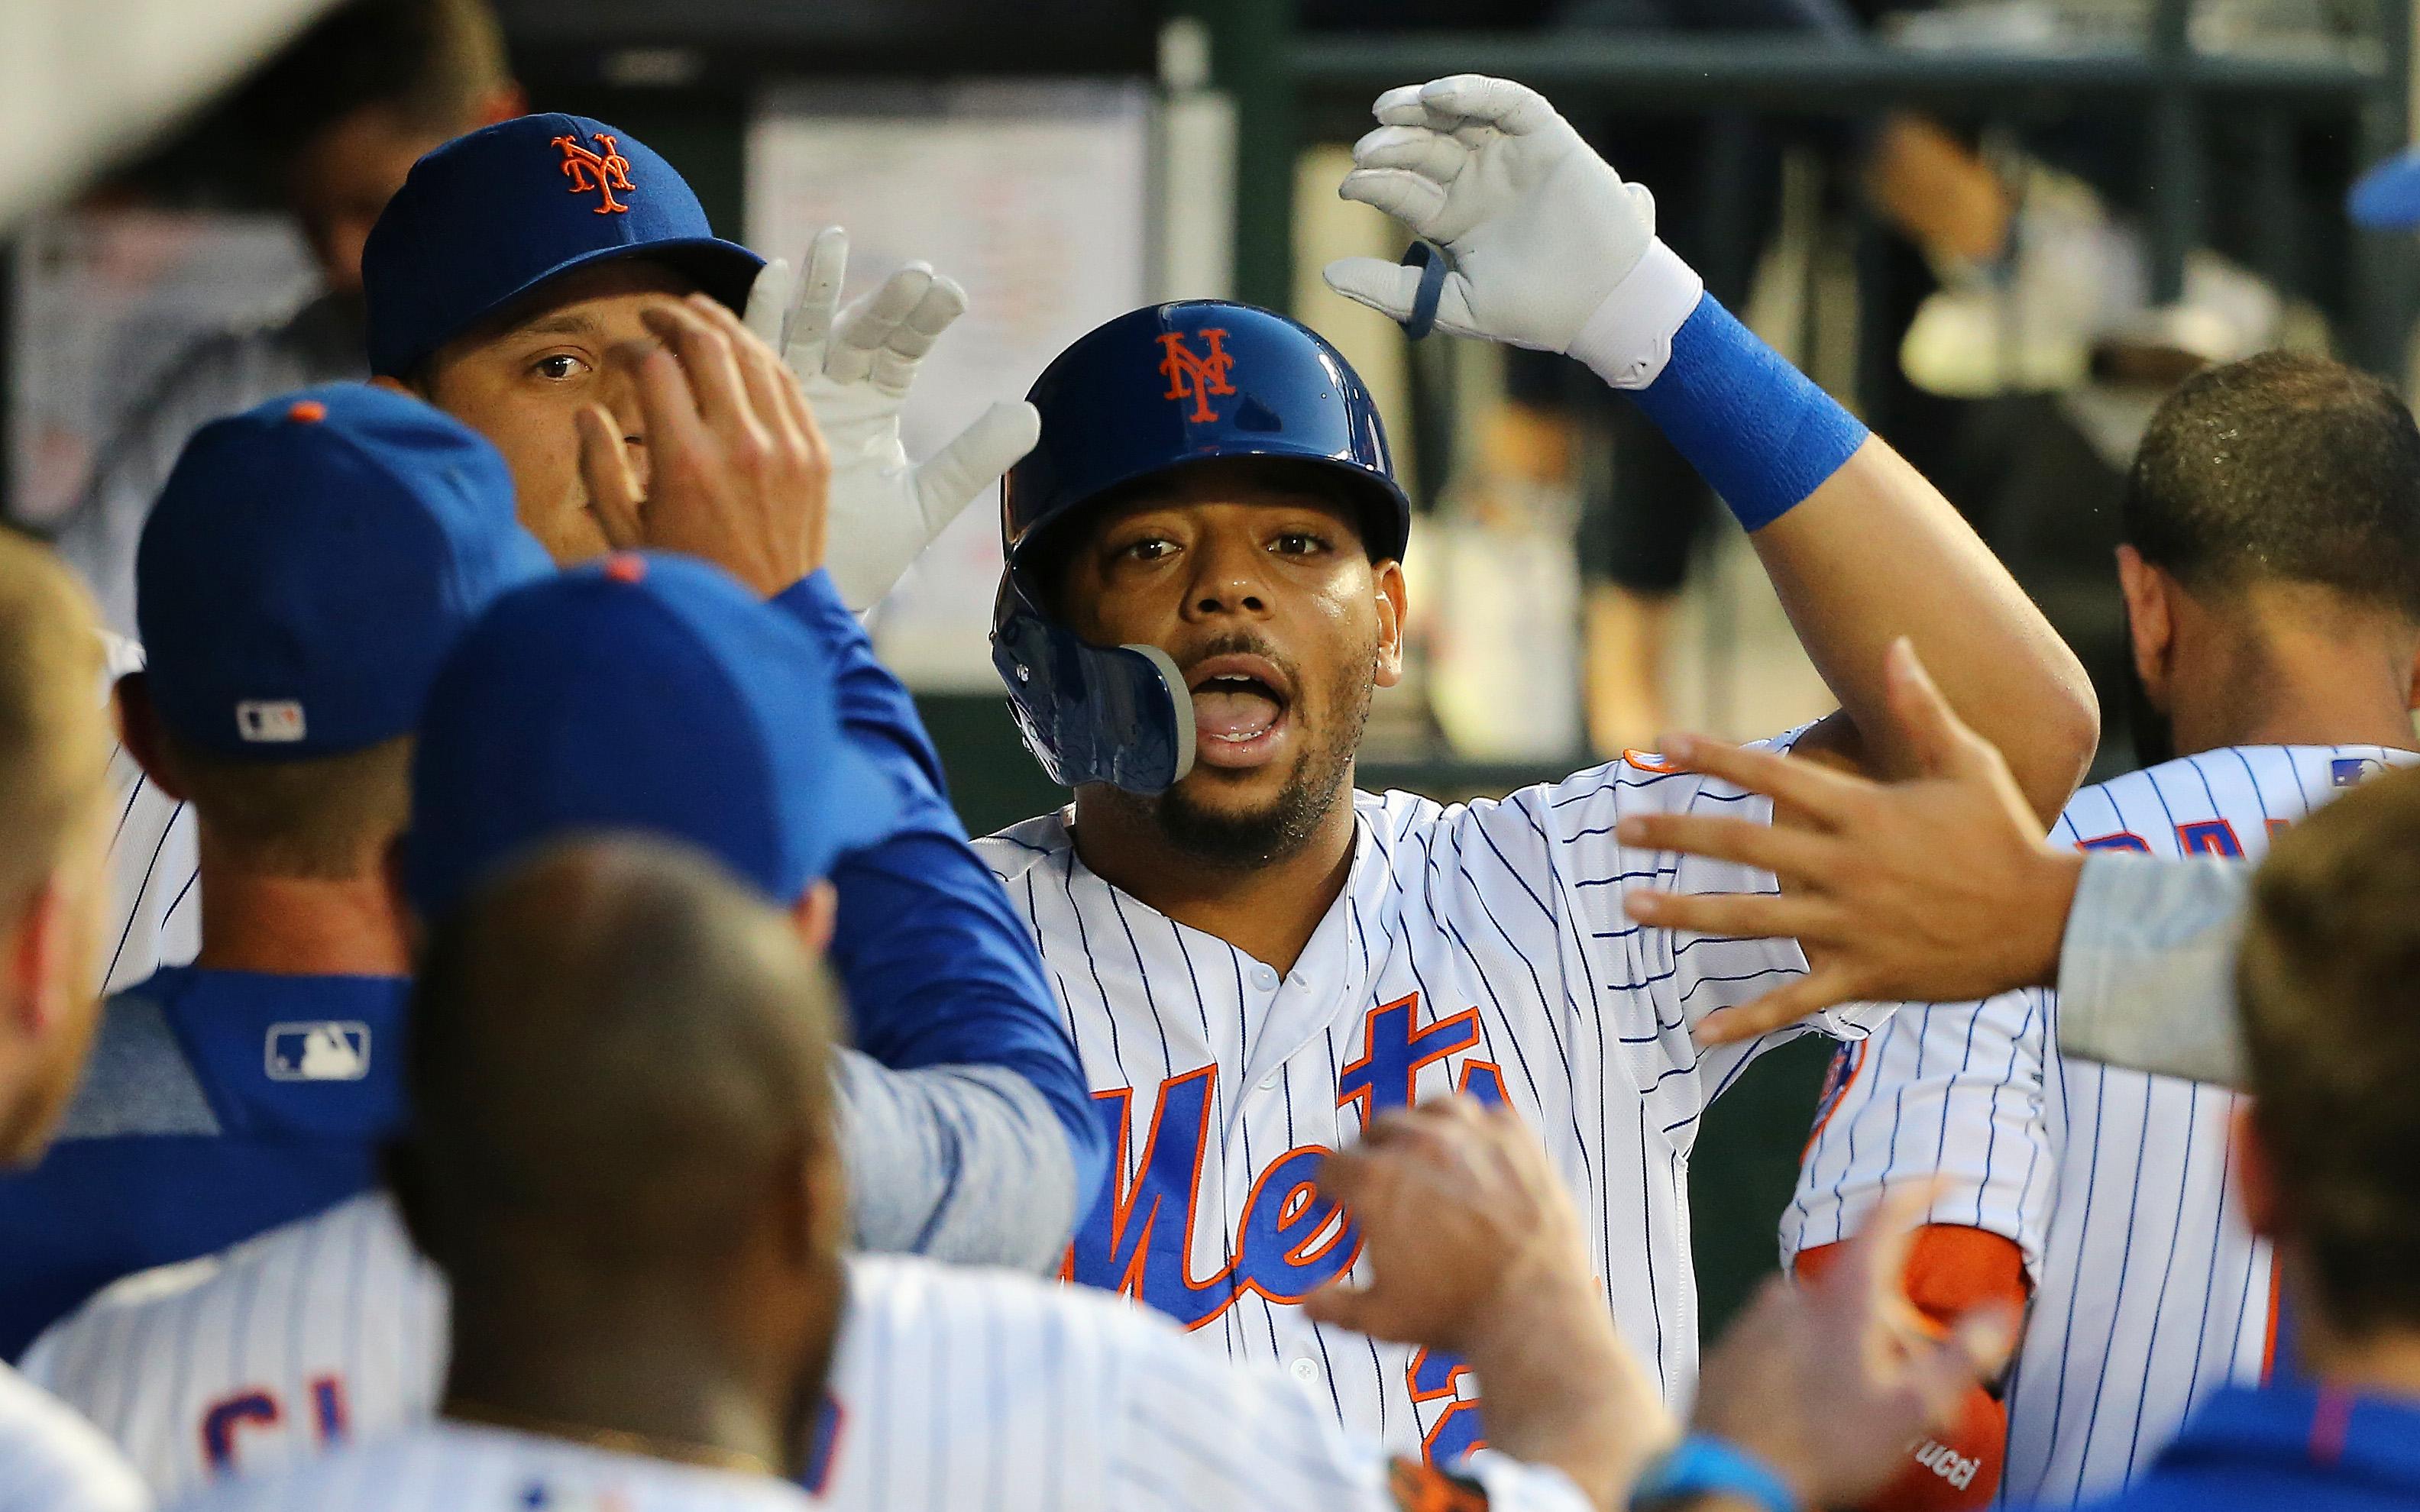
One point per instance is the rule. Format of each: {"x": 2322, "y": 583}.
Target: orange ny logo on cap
{"x": 1192, "y": 376}
{"x": 603, "y": 172}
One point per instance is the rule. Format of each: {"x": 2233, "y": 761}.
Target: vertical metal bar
{"x": 2382, "y": 262}
{"x": 2174, "y": 162}
{"x": 1251, "y": 58}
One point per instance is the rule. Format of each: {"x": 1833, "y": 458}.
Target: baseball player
{"x": 646, "y": 692}
{"x": 623, "y": 1165}
{"x": 54, "y": 815}
{"x": 1202, "y": 591}
{"x": 2270, "y": 567}
{"x": 291, "y": 645}
{"x": 501, "y": 288}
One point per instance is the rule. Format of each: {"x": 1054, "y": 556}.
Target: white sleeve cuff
{"x": 1629, "y": 339}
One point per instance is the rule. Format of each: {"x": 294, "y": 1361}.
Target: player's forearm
{"x": 1875, "y": 553}
{"x": 963, "y": 1164}
{"x": 939, "y": 971}
{"x": 2145, "y": 972}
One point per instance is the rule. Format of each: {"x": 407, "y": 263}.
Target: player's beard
{"x": 1232, "y": 840}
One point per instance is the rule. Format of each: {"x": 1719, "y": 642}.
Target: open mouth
{"x": 1239, "y": 707}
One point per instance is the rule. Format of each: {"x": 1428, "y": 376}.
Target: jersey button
{"x": 1269, "y": 1083}
{"x": 1306, "y": 1372}
{"x": 1264, "y": 977}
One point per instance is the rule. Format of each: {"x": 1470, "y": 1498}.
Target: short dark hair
{"x": 2281, "y": 468}
{"x": 2329, "y": 981}
{"x": 614, "y": 1045}
{"x": 430, "y": 60}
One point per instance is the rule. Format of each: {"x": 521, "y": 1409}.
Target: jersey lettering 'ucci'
{"x": 1479, "y": 947}
{"x": 2150, "y": 1290}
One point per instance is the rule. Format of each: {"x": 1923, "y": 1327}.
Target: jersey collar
{"x": 314, "y": 1057}
{"x": 2335, "y": 1434}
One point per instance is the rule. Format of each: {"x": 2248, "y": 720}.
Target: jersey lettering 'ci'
{"x": 2149, "y": 1291}
{"x": 1479, "y": 948}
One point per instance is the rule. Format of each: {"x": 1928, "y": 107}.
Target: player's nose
{"x": 1230, "y": 576}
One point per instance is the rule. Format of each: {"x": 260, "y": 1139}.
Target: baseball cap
{"x": 2387, "y": 196}
{"x": 490, "y": 216}
{"x": 309, "y": 563}
{"x": 643, "y": 692}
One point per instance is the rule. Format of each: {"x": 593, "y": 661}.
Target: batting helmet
{"x": 1153, "y": 390}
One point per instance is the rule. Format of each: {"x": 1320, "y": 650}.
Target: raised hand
{"x": 736, "y": 472}
{"x": 1539, "y": 231}
{"x": 856, "y": 366}
{"x": 1937, "y": 890}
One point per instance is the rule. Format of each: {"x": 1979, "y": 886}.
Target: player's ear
{"x": 1393, "y": 606}
{"x": 815, "y": 915}
{"x": 2150, "y": 627}
{"x": 138, "y": 727}
{"x": 2255, "y": 1177}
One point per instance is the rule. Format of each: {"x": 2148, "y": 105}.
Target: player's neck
{"x": 298, "y": 926}
{"x": 640, "y": 1383}
{"x": 2303, "y": 676}
{"x": 1268, "y": 910}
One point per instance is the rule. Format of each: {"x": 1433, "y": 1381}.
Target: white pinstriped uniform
{"x": 2149, "y": 1291}
{"x": 950, "y": 1388}
{"x": 1480, "y": 947}
{"x": 155, "y": 907}
{"x": 262, "y": 1354}
{"x": 51, "y": 1460}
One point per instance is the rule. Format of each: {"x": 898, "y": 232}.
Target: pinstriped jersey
{"x": 950, "y": 1388}
{"x": 51, "y": 1460}
{"x": 1479, "y": 948}
{"x": 155, "y": 908}
{"x": 2149, "y": 1291}
{"x": 264, "y": 1354}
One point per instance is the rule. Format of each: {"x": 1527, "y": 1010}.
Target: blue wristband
{"x": 1756, "y": 429}
{"x": 1704, "y": 1465}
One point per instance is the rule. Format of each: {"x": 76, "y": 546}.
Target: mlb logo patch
{"x": 270, "y": 721}
{"x": 2352, "y": 771}
{"x": 329, "y": 1051}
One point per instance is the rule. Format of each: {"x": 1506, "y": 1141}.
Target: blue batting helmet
{"x": 1153, "y": 390}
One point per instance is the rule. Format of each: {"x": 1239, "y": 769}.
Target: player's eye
{"x": 1299, "y": 544}
{"x": 555, "y": 368}
{"x": 1149, "y": 548}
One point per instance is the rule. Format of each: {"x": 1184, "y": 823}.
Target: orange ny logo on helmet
{"x": 1192, "y": 376}
{"x": 603, "y": 172}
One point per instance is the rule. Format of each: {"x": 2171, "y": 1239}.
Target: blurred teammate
{"x": 344, "y": 111}
{"x": 308, "y": 564}
{"x": 2272, "y": 575}
{"x": 623, "y": 1165}
{"x": 645, "y": 693}
{"x": 1203, "y": 590}
{"x": 53, "y": 834}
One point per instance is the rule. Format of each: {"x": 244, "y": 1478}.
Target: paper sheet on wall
{"x": 1034, "y": 197}
{"x": 103, "y": 302}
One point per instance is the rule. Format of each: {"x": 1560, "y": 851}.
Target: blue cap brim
{"x": 2388, "y": 197}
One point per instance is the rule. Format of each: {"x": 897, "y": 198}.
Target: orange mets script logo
{"x": 602, "y": 172}
{"x": 1191, "y": 376}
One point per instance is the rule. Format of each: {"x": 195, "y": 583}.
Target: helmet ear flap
{"x": 1090, "y": 714}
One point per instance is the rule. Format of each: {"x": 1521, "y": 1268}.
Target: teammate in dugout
{"x": 1202, "y": 592}
{"x": 622, "y": 1168}
{"x": 2271, "y": 566}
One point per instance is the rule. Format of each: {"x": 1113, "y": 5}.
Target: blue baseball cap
{"x": 641, "y": 692}
{"x": 487, "y": 217}
{"x": 310, "y": 563}
{"x": 2388, "y": 197}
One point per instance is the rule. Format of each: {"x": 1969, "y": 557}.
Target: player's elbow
{"x": 2058, "y": 733}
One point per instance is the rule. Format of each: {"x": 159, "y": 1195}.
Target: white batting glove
{"x": 1546, "y": 246}
{"x": 857, "y": 367}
